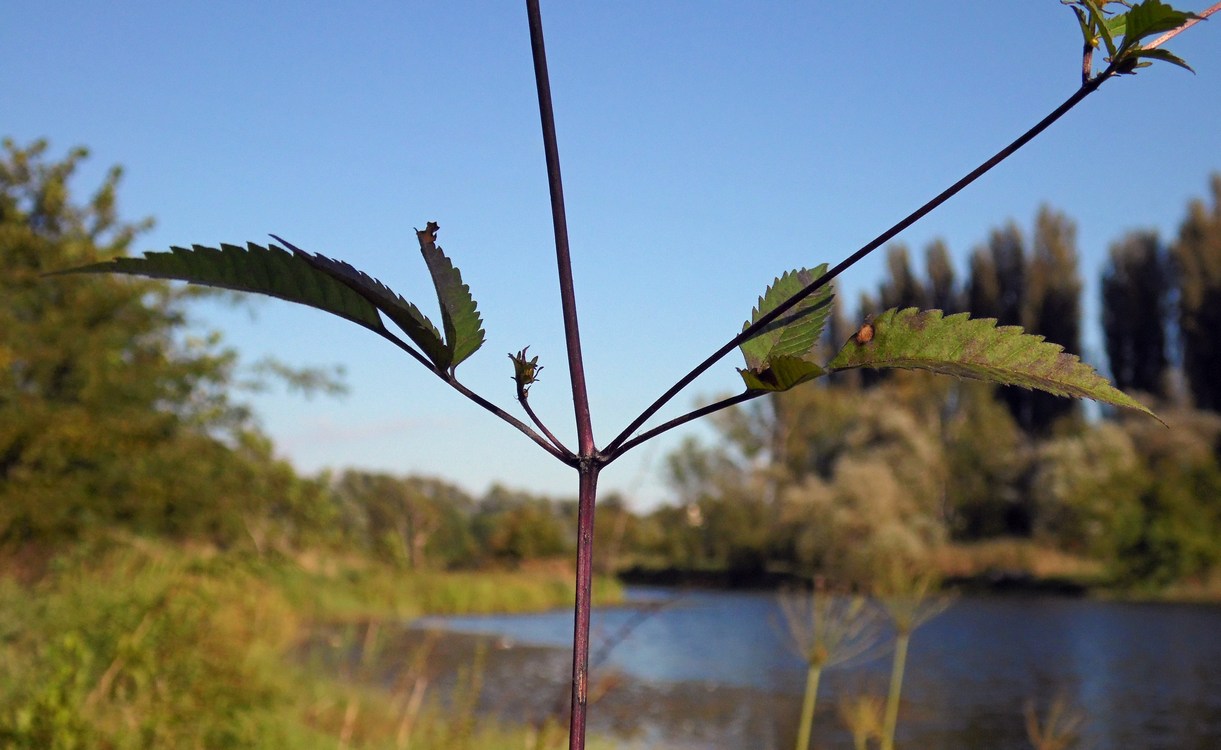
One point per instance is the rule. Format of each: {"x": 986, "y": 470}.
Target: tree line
{"x": 115, "y": 414}
{"x": 854, "y": 477}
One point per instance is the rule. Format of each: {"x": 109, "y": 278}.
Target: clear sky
{"x": 706, "y": 148}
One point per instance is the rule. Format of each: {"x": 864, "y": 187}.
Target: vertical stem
{"x": 586, "y": 452}
{"x": 580, "y": 633}
{"x": 896, "y": 686}
{"x": 807, "y": 707}
{"x": 559, "y": 220}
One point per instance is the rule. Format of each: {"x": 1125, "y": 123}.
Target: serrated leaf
{"x": 459, "y": 313}
{"x": 1158, "y": 53}
{"x": 405, "y": 315}
{"x": 262, "y": 270}
{"x": 1107, "y": 28}
{"x": 1087, "y": 33}
{"x": 976, "y": 348}
{"x": 1111, "y": 28}
{"x": 1151, "y": 17}
{"x": 795, "y": 332}
{"x": 783, "y": 373}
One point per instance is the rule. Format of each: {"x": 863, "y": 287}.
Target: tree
{"x": 901, "y": 288}
{"x": 943, "y": 291}
{"x": 1197, "y": 254}
{"x": 111, "y": 410}
{"x": 1053, "y": 307}
{"x": 1036, "y": 288}
{"x": 777, "y": 341}
{"x": 398, "y": 519}
{"x": 1137, "y": 285}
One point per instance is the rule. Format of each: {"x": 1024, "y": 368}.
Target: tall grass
{"x": 132, "y": 643}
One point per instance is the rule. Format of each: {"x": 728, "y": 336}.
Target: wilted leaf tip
{"x": 428, "y": 235}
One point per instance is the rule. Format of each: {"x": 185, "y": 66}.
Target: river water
{"x": 714, "y": 669}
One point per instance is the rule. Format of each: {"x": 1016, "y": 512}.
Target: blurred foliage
{"x": 159, "y": 561}
{"x": 850, "y": 477}
{"x": 131, "y": 642}
{"x": 111, "y": 410}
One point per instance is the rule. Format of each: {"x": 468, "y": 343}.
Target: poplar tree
{"x": 1137, "y": 284}
{"x": 1197, "y": 254}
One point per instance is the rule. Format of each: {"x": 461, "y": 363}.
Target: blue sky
{"x": 706, "y": 148}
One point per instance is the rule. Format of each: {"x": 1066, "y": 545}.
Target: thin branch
{"x": 568, "y": 303}
{"x": 562, "y": 454}
{"x": 1175, "y": 32}
{"x": 559, "y": 452}
{"x": 523, "y": 398}
{"x": 877, "y": 242}
{"x": 703, "y": 411}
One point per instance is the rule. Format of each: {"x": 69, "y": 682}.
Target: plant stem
{"x": 891, "y": 719}
{"x": 580, "y": 632}
{"x": 703, "y": 411}
{"x": 851, "y": 260}
{"x": 807, "y": 706}
{"x": 563, "y": 258}
{"x": 523, "y": 398}
{"x": 587, "y": 464}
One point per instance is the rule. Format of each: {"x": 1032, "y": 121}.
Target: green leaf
{"x": 459, "y": 313}
{"x": 1158, "y": 53}
{"x": 405, "y": 315}
{"x": 783, "y": 373}
{"x": 1087, "y": 33}
{"x": 262, "y": 270}
{"x": 795, "y": 332}
{"x": 978, "y": 349}
{"x": 1151, "y": 17}
{"x": 1107, "y": 28}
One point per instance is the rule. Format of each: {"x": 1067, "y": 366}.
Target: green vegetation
{"x": 973, "y": 480}
{"x": 115, "y": 422}
{"x": 158, "y": 566}
{"x": 130, "y": 642}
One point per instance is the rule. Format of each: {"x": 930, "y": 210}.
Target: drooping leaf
{"x": 1125, "y": 33}
{"x": 262, "y": 270}
{"x": 459, "y": 313}
{"x": 782, "y": 373}
{"x": 405, "y": 315}
{"x": 979, "y": 349}
{"x": 795, "y": 332}
{"x": 1158, "y": 53}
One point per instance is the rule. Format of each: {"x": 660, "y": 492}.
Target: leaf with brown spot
{"x": 979, "y": 349}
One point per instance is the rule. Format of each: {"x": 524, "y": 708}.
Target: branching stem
{"x": 551, "y": 447}
{"x": 523, "y": 398}
{"x": 563, "y": 258}
{"x": 612, "y": 449}
{"x": 690, "y": 416}
{"x": 587, "y": 463}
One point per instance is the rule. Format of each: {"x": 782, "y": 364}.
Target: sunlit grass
{"x": 131, "y": 643}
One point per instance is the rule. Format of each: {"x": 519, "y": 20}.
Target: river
{"x": 714, "y": 669}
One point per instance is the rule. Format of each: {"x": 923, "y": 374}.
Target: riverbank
{"x": 994, "y": 567}
{"x": 715, "y": 669}
{"x": 124, "y": 638}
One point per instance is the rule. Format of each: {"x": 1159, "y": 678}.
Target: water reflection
{"x": 713, "y": 670}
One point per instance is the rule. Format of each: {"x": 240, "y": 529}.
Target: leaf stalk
{"x": 1080, "y": 94}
